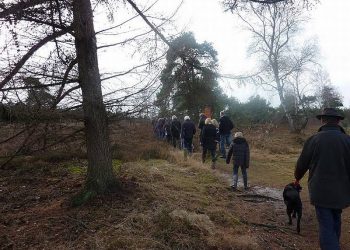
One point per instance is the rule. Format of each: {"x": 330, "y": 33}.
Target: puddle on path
{"x": 257, "y": 194}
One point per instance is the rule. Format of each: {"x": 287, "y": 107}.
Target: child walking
{"x": 239, "y": 151}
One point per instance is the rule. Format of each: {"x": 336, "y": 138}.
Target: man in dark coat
{"x": 175, "y": 131}
{"x": 201, "y": 123}
{"x": 225, "y": 127}
{"x": 160, "y": 128}
{"x": 188, "y": 130}
{"x": 327, "y": 157}
{"x": 209, "y": 140}
{"x": 239, "y": 150}
{"x": 167, "y": 130}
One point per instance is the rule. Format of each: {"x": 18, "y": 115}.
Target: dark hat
{"x": 330, "y": 112}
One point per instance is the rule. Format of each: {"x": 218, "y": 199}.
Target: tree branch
{"x": 30, "y": 52}
{"x": 19, "y": 7}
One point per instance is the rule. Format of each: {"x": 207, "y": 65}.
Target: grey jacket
{"x": 327, "y": 157}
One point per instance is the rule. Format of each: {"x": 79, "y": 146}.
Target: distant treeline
{"x": 256, "y": 110}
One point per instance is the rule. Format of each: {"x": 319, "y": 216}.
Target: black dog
{"x": 292, "y": 200}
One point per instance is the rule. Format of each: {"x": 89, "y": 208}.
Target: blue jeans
{"x": 235, "y": 176}
{"x": 227, "y": 138}
{"x": 329, "y": 221}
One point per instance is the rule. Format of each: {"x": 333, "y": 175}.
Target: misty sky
{"x": 329, "y": 23}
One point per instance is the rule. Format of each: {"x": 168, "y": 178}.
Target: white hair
{"x": 215, "y": 123}
{"x": 173, "y": 117}
{"x": 187, "y": 118}
{"x": 238, "y": 134}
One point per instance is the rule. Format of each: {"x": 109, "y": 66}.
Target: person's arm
{"x": 220, "y": 125}
{"x": 347, "y": 156}
{"x": 247, "y": 157}
{"x": 203, "y": 134}
{"x": 229, "y": 154}
{"x": 304, "y": 160}
{"x": 217, "y": 135}
{"x": 178, "y": 127}
{"x": 231, "y": 125}
{"x": 200, "y": 124}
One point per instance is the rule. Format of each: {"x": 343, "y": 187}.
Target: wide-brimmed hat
{"x": 330, "y": 112}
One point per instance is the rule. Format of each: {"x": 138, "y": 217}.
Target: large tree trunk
{"x": 100, "y": 171}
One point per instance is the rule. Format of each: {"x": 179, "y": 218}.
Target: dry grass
{"x": 164, "y": 202}
{"x": 161, "y": 205}
{"x": 192, "y": 209}
{"x": 274, "y": 153}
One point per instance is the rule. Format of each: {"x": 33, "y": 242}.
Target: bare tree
{"x": 327, "y": 93}
{"x": 236, "y": 4}
{"x": 282, "y": 62}
{"x": 61, "y": 52}
{"x": 100, "y": 171}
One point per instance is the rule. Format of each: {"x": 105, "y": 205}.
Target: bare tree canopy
{"x": 59, "y": 55}
{"x": 284, "y": 61}
{"x": 233, "y": 5}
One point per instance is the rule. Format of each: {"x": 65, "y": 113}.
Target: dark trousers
{"x": 235, "y": 176}
{"x": 329, "y": 222}
{"x": 212, "y": 153}
{"x": 188, "y": 144}
{"x": 176, "y": 142}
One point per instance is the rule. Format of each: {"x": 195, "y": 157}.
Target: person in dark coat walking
{"x": 326, "y": 155}
{"x": 225, "y": 127}
{"x": 201, "y": 123}
{"x": 188, "y": 130}
{"x": 160, "y": 128}
{"x": 175, "y": 131}
{"x": 209, "y": 140}
{"x": 239, "y": 150}
{"x": 167, "y": 130}
{"x": 216, "y": 124}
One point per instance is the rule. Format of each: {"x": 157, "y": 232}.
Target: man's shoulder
{"x": 310, "y": 140}
{"x": 326, "y": 135}
{"x": 190, "y": 123}
{"x": 224, "y": 118}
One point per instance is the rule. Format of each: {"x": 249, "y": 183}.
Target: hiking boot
{"x": 233, "y": 188}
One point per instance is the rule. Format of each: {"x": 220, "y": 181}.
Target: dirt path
{"x": 264, "y": 210}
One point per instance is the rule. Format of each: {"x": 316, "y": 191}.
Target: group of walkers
{"x": 326, "y": 155}
{"x": 211, "y": 134}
